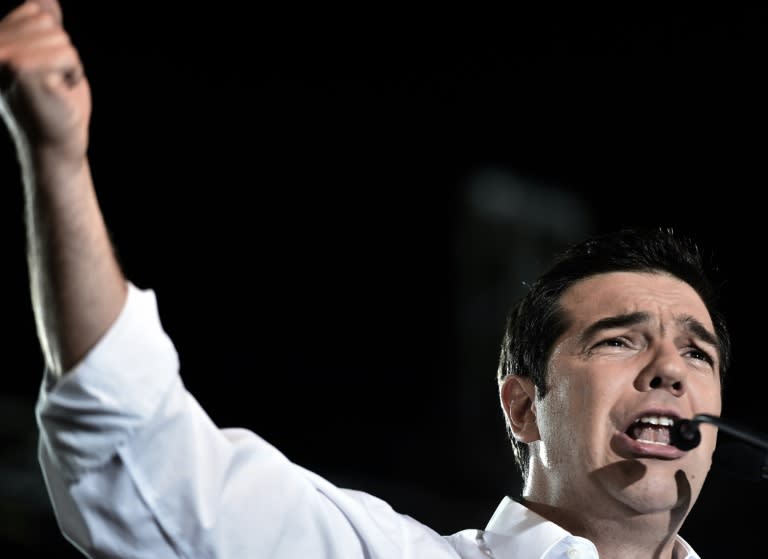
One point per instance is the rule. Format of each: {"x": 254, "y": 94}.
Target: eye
{"x": 697, "y": 353}
{"x": 614, "y": 345}
{"x": 613, "y": 342}
{"x": 609, "y": 344}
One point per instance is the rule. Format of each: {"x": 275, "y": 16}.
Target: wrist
{"x": 52, "y": 164}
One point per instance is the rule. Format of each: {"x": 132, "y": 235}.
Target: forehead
{"x": 616, "y": 293}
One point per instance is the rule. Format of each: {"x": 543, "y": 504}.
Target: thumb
{"x": 51, "y": 6}
{"x": 71, "y": 76}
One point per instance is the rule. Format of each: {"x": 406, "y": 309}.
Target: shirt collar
{"x": 516, "y": 531}
{"x": 687, "y": 550}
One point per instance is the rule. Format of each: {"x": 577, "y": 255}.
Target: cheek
{"x": 711, "y": 397}
{"x": 565, "y": 413}
{"x": 578, "y": 408}
{"x": 708, "y": 400}
{"x": 576, "y": 395}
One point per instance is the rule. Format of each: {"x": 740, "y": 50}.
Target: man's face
{"x": 639, "y": 352}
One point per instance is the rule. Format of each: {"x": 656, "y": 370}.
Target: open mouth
{"x": 652, "y": 429}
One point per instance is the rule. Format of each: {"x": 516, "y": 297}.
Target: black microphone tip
{"x": 685, "y": 434}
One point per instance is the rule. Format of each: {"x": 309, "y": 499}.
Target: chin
{"x": 658, "y": 492}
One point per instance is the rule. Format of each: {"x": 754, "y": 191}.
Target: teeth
{"x": 652, "y": 429}
{"x": 656, "y": 420}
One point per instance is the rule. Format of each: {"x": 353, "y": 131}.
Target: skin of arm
{"x": 76, "y": 283}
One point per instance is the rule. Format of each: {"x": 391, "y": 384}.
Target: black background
{"x": 294, "y": 185}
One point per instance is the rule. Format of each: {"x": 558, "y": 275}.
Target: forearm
{"x": 77, "y": 287}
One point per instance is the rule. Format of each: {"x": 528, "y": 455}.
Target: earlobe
{"x": 518, "y": 400}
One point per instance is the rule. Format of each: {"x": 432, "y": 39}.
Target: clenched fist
{"x": 45, "y": 98}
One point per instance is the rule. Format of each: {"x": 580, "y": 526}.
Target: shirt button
{"x": 573, "y": 553}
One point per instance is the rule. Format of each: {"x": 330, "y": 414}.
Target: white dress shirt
{"x": 136, "y": 469}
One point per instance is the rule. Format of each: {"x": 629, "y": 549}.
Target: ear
{"x": 518, "y": 400}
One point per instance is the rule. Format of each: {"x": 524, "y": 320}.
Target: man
{"x": 618, "y": 340}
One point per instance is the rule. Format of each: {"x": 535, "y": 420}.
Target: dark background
{"x": 336, "y": 209}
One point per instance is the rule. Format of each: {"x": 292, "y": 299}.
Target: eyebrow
{"x": 686, "y": 322}
{"x": 616, "y": 321}
{"x": 698, "y": 330}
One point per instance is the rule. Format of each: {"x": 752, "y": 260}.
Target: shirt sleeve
{"x": 135, "y": 468}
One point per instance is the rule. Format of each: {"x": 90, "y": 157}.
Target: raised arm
{"x": 76, "y": 284}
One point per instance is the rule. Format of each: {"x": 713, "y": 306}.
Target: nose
{"x": 667, "y": 371}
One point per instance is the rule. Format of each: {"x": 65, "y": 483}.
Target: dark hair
{"x": 537, "y": 320}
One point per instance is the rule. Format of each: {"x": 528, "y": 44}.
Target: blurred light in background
{"x": 509, "y": 228}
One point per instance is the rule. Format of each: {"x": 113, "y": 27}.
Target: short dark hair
{"x": 537, "y": 320}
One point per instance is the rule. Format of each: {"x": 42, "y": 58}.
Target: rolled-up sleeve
{"x": 136, "y": 468}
